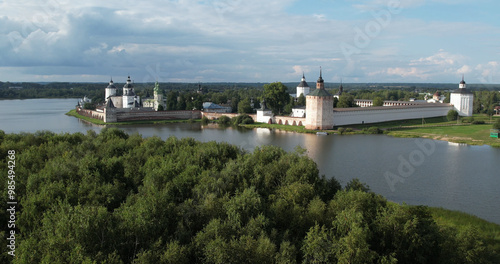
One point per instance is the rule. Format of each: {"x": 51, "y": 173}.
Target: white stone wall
{"x": 264, "y": 116}
{"x": 353, "y": 116}
{"x": 463, "y": 103}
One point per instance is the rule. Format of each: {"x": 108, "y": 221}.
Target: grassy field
{"x": 100, "y": 122}
{"x": 469, "y": 134}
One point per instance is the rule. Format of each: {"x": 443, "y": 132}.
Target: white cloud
{"x": 488, "y": 72}
{"x": 227, "y": 40}
{"x": 441, "y": 58}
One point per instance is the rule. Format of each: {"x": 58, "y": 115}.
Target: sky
{"x": 410, "y": 41}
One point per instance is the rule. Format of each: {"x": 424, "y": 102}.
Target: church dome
{"x": 462, "y": 82}
{"x": 111, "y": 85}
{"x": 128, "y": 84}
{"x": 303, "y": 82}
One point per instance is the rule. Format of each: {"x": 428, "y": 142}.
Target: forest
{"x": 118, "y": 198}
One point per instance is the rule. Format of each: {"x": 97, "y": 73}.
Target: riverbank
{"x": 437, "y": 128}
{"x": 466, "y": 134}
{"x": 139, "y": 122}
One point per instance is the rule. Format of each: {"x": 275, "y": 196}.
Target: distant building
{"x": 157, "y": 99}
{"x": 437, "y": 97}
{"x": 210, "y": 107}
{"x": 299, "y": 111}
{"x": 128, "y": 100}
{"x": 462, "y": 99}
{"x": 369, "y": 103}
{"x": 303, "y": 87}
{"x": 264, "y": 115}
{"x": 340, "y": 92}
{"x": 129, "y": 97}
{"x": 110, "y": 90}
{"x": 84, "y": 100}
{"x": 200, "y": 89}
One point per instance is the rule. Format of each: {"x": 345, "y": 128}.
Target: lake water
{"x": 434, "y": 173}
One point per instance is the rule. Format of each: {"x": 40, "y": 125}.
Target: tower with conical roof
{"x": 462, "y": 99}
{"x": 319, "y": 107}
{"x": 128, "y": 94}
{"x": 303, "y": 87}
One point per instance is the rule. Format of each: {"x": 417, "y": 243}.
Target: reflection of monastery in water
{"x": 317, "y": 114}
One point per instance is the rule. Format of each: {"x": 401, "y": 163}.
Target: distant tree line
{"x": 119, "y": 198}
{"x": 184, "y": 96}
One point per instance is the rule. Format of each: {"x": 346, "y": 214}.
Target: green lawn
{"x": 470, "y": 134}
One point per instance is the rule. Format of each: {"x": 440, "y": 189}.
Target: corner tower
{"x": 319, "y": 107}
{"x": 462, "y": 99}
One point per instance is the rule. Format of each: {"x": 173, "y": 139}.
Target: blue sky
{"x": 250, "y": 41}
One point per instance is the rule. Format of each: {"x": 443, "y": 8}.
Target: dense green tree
{"x": 244, "y": 106}
{"x": 345, "y": 101}
{"x": 301, "y": 101}
{"x": 496, "y": 125}
{"x": 118, "y": 198}
{"x": 378, "y": 101}
{"x": 172, "y": 100}
{"x": 276, "y": 96}
{"x": 452, "y": 115}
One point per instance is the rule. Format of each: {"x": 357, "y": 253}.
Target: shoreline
{"x": 94, "y": 121}
{"x": 450, "y": 132}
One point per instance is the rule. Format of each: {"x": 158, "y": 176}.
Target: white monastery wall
{"x": 351, "y": 116}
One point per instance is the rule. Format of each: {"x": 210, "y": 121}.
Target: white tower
{"x": 303, "y": 87}
{"x": 110, "y": 90}
{"x": 128, "y": 94}
{"x": 462, "y": 99}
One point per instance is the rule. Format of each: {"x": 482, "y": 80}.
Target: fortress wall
{"x": 291, "y": 121}
{"x": 351, "y": 116}
{"x": 90, "y": 113}
{"x": 212, "y": 116}
{"x": 122, "y": 116}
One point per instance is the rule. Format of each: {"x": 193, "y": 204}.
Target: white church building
{"x": 128, "y": 100}
{"x": 462, "y": 99}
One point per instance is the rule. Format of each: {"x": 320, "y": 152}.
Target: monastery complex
{"x": 318, "y": 114}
